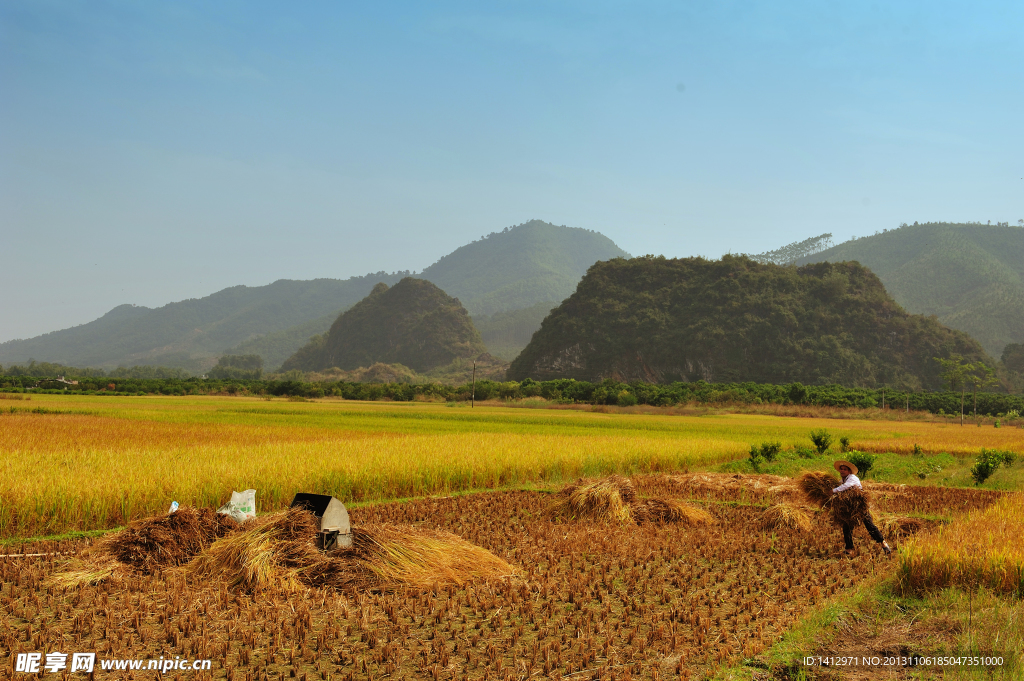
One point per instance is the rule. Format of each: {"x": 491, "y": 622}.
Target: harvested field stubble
{"x": 604, "y": 599}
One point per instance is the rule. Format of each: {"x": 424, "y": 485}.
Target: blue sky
{"x": 156, "y": 151}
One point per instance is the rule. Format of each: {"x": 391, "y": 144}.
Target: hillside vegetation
{"x": 191, "y": 334}
{"x": 521, "y": 266}
{"x": 971, "y": 276}
{"x": 413, "y": 323}
{"x": 517, "y": 268}
{"x": 734, "y": 319}
{"x": 506, "y": 333}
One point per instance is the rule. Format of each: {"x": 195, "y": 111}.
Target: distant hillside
{"x": 514, "y": 269}
{"x": 970, "y": 276}
{"x": 736, "y": 320}
{"x": 521, "y": 266}
{"x": 506, "y": 333}
{"x": 413, "y": 323}
{"x": 192, "y": 333}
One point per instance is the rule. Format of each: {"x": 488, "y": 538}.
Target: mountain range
{"x": 514, "y": 276}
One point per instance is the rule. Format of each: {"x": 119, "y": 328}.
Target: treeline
{"x": 51, "y": 370}
{"x": 566, "y": 391}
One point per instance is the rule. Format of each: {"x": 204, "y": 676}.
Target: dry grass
{"x": 669, "y": 511}
{"x": 606, "y": 499}
{"x": 785, "y": 516}
{"x": 983, "y": 550}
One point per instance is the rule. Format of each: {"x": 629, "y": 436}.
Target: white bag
{"x": 242, "y": 506}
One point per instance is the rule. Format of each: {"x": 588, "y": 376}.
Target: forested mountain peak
{"x": 413, "y": 323}
{"x": 734, "y": 319}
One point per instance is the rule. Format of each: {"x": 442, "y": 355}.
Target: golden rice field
{"x": 981, "y": 550}
{"x": 98, "y": 462}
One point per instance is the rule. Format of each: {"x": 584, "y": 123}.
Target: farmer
{"x": 850, "y": 480}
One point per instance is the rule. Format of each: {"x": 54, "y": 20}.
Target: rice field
{"x": 82, "y": 463}
{"x": 594, "y": 598}
{"x": 983, "y": 550}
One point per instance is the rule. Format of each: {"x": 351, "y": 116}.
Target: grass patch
{"x": 874, "y": 620}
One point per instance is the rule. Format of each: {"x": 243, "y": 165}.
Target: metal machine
{"x": 335, "y": 529}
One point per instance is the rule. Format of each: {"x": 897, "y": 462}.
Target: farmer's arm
{"x": 851, "y": 482}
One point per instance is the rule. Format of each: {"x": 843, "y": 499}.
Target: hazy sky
{"x": 156, "y": 151}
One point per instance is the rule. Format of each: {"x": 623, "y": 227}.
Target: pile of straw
{"x": 607, "y": 499}
{"x": 279, "y": 552}
{"x": 271, "y": 551}
{"x": 418, "y": 557}
{"x": 614, "y": 499}
{"x": 846, "y": 508}
{"x": 669, "y": 511}
{"x": 785, "y": 516}
{"x": 147, "y": 545}
{"x": 168, "y": 540}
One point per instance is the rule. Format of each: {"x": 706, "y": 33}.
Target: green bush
{"x": 627, "y": 399}
{"x": 805, "y": 452}
{"x": 822, "y": 440}
{"x": 987, "y": 463}
{"x": 844, "y": 444}
{"x": 863, "y": 461}
{"x": 984, "y": 466}
{"x": 767, "y": 451}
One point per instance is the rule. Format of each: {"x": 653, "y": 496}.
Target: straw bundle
{"x": 605, "y": 499}
{"x": 147, "y": 545}
{"x": 785, "y": 515}
{"x": 817, "y": 486}
{"x": 846, "y": 508}
{"x": 669, "y": 511}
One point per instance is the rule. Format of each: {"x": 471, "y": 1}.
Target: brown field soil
{"x": 590, "y": 600}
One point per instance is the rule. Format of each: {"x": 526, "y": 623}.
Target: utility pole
{"x": 472, "y": 404}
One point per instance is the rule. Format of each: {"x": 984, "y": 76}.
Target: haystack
{"x": 147, "y": 545}
{"x": 785, "y": 516}
{"x": 846, "y": 508}
{"x": 605, "y": 499}
{"x": 278, "y": 552}
{"x": 669, "y": 511}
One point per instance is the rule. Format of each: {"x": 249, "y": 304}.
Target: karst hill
{"x": 413, "y": 323}
{"x": 734, "y": 319}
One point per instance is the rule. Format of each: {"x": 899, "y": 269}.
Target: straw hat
{"x": 837, "y": 464}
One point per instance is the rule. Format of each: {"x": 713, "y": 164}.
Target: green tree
{"x": 955, "y": 372}
{"x": 980, "y": 376}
